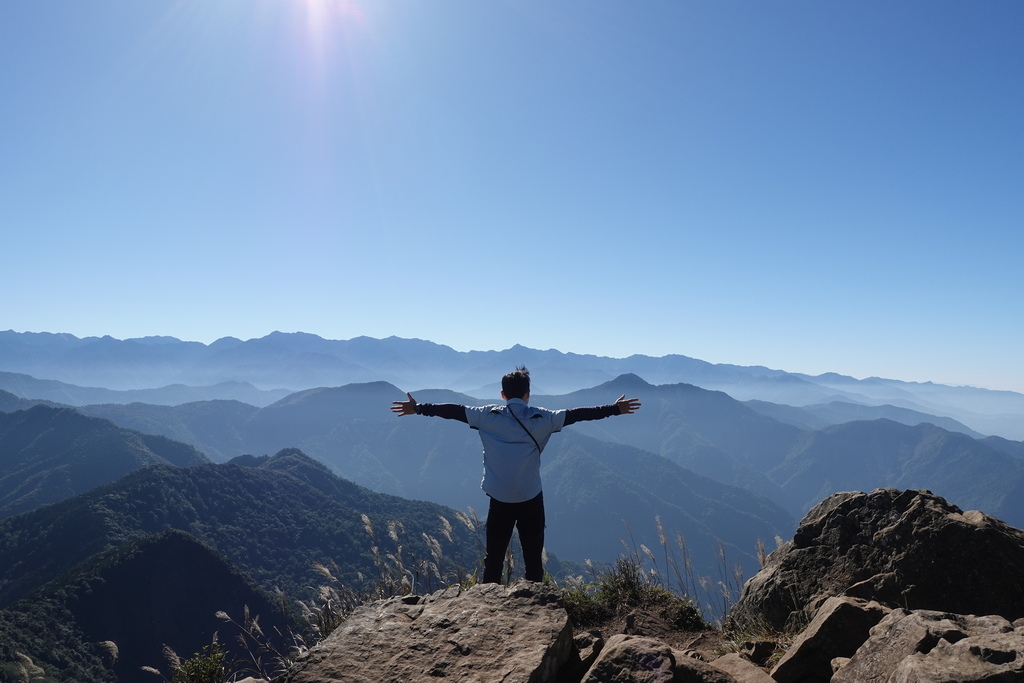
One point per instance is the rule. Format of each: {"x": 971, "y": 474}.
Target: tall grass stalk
{"x": 399, "y": 573}
{"x": 210, "y": 665}
{"x": 662, "y": 583}
{"x": 671, "y": 570}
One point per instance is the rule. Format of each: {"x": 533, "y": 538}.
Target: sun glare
{"x": 342, "y": 10}
{"x": 324, "y": 16}
{"x": 330, "y": 25}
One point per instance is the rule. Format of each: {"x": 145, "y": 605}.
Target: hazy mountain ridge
{"x": 10, "y": 403}
{"x": 838, "y": 412}
{"x": 175, "y": 394}
{"x": 706, "y": 433}
{"x": 618, "y": 492}
{"x": 299, "y": 361}
{"x": 214, "y": 427}
{"x": 50, "y": 454}
{"x": 1013, "y": 448}
{"x": 352, "y": 429}
{"x": 862, "y": 456}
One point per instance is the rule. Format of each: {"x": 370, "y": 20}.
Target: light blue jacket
{"x": 511, "y": 458}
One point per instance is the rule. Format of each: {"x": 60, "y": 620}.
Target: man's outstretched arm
{"x": 622, "y": 406}
{"x": 449, "y": 411}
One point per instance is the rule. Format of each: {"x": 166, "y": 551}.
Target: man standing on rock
{"x": 513, "y": 437}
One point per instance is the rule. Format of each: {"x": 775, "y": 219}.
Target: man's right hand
{"x": 401, "y": 408}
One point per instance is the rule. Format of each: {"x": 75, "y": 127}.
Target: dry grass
{"x": 643, "y": 592}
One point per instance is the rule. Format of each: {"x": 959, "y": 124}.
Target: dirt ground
{"x": 709, "y": 644}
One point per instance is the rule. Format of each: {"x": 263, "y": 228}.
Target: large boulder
{"x": 907, "y": 549}
{"x": 938, "y": 647}
{"x": 838, "y": 629}
{"x": 486, "y": 633}
{"x": 742, "y": 669}
{"x": 636, "y": 659}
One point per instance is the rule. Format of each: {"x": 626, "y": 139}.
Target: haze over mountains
{"x": 248, "y": 461}
{"x": 784, "y": 457}
{"x": 296, "y": 361}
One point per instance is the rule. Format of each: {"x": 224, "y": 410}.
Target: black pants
{"x": 501, "y": 519}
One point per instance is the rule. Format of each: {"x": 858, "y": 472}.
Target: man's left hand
{"x": 627, "y": 405}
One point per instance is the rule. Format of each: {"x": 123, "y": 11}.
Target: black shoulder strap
{"x": 539, "y": 449}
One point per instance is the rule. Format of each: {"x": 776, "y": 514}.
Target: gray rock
{"x": 984, "y": 657}
{"x": 742, "y": 669}
{"x": 839, "y": 662}
{"x": 927, "y": 645}
{"x": 635, "y": 659}
{"x": 839, "y": 627}
{"x": 901, "y": 548}
{"x": 588, "y": 647}
{"x": 758, "y": 652}
{"x": 486, "y": 633}
{"x": 632, "y": 659}
{"x": 689, "y": 670}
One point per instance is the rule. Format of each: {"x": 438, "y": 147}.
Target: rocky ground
{"x": 708, "y": 644}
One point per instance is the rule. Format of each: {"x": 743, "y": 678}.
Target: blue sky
{"x": 809, "y": 185}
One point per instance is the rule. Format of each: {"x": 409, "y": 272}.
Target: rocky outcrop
{"x": 907, "y": 549}
{"x": 514, "y": 634}
{"x": 890, "y": 582}
{"x": 883, "y": 586}
{"x": 742, "y": 669}
{"x": 838, "y": 629}
{"x": 486, "y": 633}
{"x": 926, "y": 645}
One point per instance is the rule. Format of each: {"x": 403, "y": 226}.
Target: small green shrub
{"x": 207, "y": 666}
{"x": 624, "y": 588}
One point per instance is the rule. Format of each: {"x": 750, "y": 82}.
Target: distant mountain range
{"x": 241, "y": 479}
{"x": 174, "y": 394}
{"x": 256, "y": 371}
{"x": 740, "y": 474}
{"x": 352, "y": 430}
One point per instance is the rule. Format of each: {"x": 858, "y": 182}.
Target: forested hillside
{"x": 48, "y": 454}
{"x": 268, "y": 519}
{"x": 105, "y": 618}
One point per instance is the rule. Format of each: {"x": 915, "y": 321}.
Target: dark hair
{"x": 516, "y": 384}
